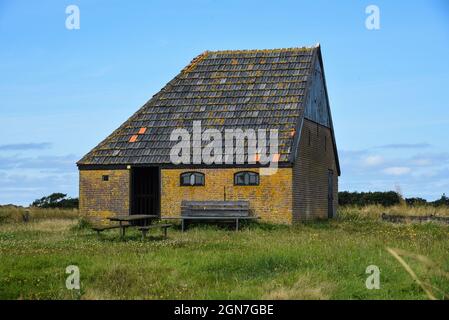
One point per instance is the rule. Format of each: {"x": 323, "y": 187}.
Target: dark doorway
{"x": 145, "y": 191}
{"x": 330, "y": 194}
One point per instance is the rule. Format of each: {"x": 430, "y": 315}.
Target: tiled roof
{"x": 223, "y": 89}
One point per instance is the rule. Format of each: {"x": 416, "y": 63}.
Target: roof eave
{"x": 334, "y": 143}
{"x": 90, "y": 166}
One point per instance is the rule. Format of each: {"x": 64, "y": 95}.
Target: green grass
{"x": 319, "y": 260}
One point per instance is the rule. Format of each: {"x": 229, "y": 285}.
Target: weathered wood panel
{"x": 310, "y": 173}
{"x": 317, "y": 108}
{"x": 215, "y": 208}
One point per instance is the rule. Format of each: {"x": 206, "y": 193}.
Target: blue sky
{"x": 62, "y": 91}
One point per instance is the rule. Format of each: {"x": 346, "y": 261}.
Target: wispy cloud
{"x": 418, "y": 170}
{"x": 25, "y": 146}
{"x": 24, "y": 187}
{"x": 23, "y": 179}
{"x": 53, "y": 163}
{"x": 405, "y": 146}
{"x": 429, "y": 159}
{"x": 373, "y": 160}
{"x": 396, "y": 171}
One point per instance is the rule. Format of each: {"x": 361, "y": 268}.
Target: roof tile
{"x": 224, "y": 90}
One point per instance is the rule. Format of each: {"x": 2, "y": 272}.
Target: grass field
{"x": 319, "y": 260}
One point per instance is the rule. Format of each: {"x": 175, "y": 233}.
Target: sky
{"x": 63, "y": 90}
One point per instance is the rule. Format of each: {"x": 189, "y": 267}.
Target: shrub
{"x": 83, "y": 223}
{"x": 416, "y": 201}
{"x": 386, "y": 199}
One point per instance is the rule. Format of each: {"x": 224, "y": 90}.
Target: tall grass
{"x": 375, "y": 211}
{"x": 16, "y": 214}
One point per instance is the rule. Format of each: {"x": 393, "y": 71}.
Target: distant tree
{"x": 415, "y": 201}
{"x": 443, "y": 201}
{"x": 56, "y": 200}
{"x": 386, "y": 199}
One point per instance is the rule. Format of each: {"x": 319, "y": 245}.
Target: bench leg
{"x": 165, "y": 232}
{"x": 182, "y": 225}
{"x": 236, "y": 224}
{"x": 144, "y": 234}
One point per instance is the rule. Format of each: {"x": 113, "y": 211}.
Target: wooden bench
{"x": 103, "y": 228}
{"x": 215, "y": 211}
{"x": 163, "y": 227}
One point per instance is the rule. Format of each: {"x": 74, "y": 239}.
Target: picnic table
{"x": 145, "y": 218}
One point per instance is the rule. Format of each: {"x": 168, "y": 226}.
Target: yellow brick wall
{"x": 271, "y": 199}
{"x": 100, "y": 199}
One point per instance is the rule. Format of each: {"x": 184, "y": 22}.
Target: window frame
{"x": 256, "y": 174}
{"x": 105, "y": 178}
{"x": 190, "y": 173}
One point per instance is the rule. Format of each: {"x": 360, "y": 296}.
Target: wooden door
{"x": 145, "y": 188}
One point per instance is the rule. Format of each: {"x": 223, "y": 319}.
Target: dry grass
{"x": 303, "y": 289}
{"x": 432, "y": 292}
{"x": 43, "y": 225}
{"x": 13, "y": 214}
{"x": 375, "y": 211}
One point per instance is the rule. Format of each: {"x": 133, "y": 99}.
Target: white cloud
{"x": 405, "y": 146}
{"x": 397, "y": 171}
{"x": 422, "y": 162}
{"x": 371, "y": 161}
{"x": 23, "y": 179}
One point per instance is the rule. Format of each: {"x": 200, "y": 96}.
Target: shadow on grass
{"x": 258, "y": 225}
{"x": 209, "y": 226}
{"x": 214, "y": 225}
{"x": 110, "y": 236}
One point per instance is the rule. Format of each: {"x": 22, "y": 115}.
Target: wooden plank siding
{"x": 310, "y": 173}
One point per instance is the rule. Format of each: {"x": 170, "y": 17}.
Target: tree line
{"x": 56, "y": 200}
{"x": 345, "y": 198}
{"x": 387, "y": 199}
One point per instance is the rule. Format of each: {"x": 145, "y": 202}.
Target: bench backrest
{"x": 215, "y": 208}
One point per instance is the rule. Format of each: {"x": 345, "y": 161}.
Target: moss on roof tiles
{"x": 224, "y": 89}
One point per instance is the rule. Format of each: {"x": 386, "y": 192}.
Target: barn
{"x": 278, "y": 90}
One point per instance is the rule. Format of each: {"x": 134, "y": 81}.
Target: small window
{"x": 246, "y": 178}
{"x": 105, "y": 177}
{"x": 192, "y": 179}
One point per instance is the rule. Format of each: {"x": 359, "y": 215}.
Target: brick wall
{"x": 100, "y": 199}
{"x": 290, "y": 195}
{"x": 271, "y": 199}
{"x": 310, "y": 173}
